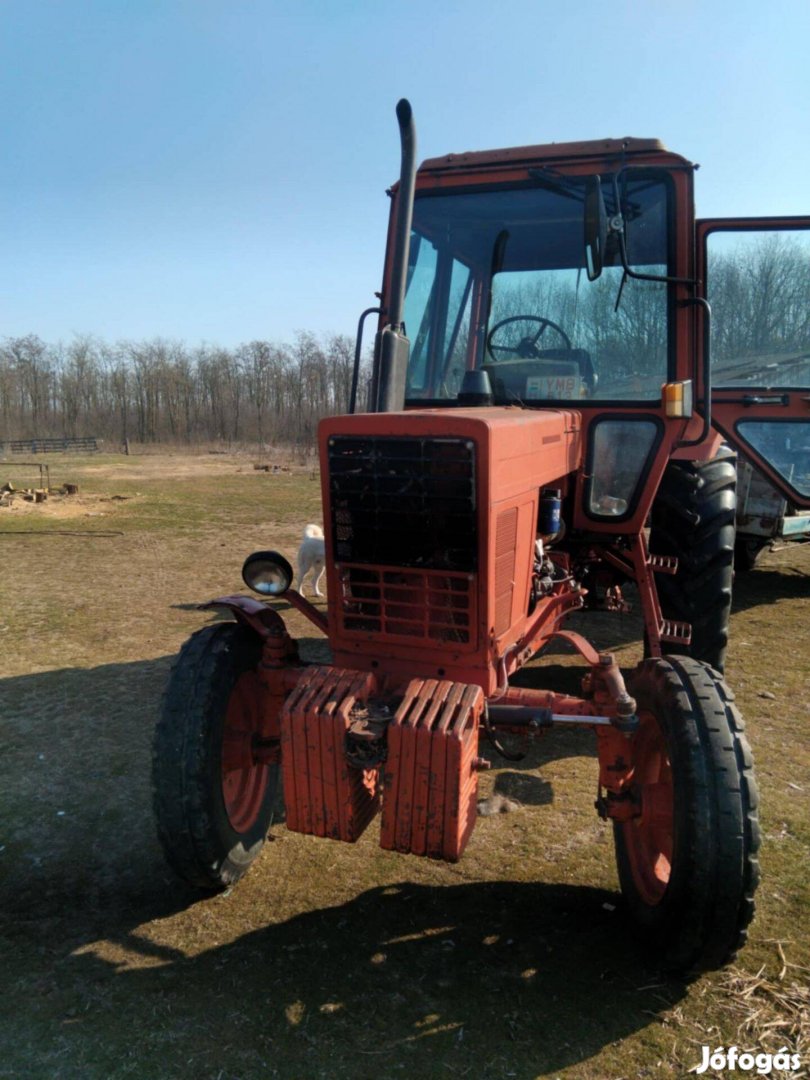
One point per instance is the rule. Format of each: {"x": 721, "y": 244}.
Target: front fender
{"x": 252, "y": 613}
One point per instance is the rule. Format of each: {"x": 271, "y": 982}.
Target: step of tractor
{"x": 678, "y": 633}
{"x": 663, "y": 564}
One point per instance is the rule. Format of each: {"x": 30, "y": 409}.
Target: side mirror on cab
{"x": 596, "y": 228}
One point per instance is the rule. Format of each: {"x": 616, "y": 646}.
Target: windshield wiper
{"x": 551, "y": 180}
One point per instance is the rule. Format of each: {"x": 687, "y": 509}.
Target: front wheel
{"x": 213, "y": 799}
{"x": 687, "y": 861}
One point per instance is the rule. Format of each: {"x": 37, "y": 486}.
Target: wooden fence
{"x": 84, "y": 445}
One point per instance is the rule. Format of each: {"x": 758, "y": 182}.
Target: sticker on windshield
{"x": 553, "y": 387}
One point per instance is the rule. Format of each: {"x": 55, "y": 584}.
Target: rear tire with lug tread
{"x": 693, "y": 519}
{"x": 688, "y": 863}
{"x": 213, "y": 807}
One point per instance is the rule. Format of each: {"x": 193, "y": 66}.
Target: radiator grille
{"x": 403, "y": 502}
{"x": 408, "y": 604}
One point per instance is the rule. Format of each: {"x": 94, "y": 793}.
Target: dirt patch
{"x": 102, "y": 468}
{"x": 63, "y": 507}
{"x": 169, "y": 467}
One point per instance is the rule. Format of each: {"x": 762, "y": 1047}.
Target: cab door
{"x": 756, "y": 275}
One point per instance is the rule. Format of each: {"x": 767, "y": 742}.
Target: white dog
{"x": 311, "y": 557}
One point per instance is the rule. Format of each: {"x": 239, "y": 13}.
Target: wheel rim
{"x": 649, "y": 836}
{"x": 244, "y": 780}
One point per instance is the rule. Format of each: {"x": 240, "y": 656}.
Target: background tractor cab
{"x": 757, "y": 280}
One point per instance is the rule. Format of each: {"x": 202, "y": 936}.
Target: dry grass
{"x": 334, "y": 960}
{"x": 770, "y": 1010}
{"x": 753, "y": 1011}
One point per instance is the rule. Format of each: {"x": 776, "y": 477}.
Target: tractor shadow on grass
{"x": 777, "y": 576}
{"x": 77, "y": 831}
{"x": 492, "y": 980}
{"x": 76, "y": 822}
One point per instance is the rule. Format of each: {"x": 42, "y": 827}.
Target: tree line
{"x": 267, "y": 393}
{"x": 161, "y": 391}
{"x": 760, "y": 296}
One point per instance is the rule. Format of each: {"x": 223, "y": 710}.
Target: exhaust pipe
{"x": 392, "y": 347}
{"x": 402, "y": 236}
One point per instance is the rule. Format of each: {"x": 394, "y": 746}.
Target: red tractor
{"x": 551, "y": 397}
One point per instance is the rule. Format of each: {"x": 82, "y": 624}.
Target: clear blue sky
{"x": 215, "y": 171}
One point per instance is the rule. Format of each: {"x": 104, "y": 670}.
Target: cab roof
{"x": 549, "y": 152}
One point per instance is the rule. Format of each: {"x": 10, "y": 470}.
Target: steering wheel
{"x": 526, "y": 348}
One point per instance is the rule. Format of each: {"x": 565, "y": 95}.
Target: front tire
{"x": 212, "y": 802}
{"x": 688, "y": 861}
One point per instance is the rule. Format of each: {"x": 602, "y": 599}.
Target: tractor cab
{"x": 573, "y": 275}
{"x": 553, "y": 277}
{"x": 499, "y": 279}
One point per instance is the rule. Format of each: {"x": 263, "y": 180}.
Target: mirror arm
{"x": 616, "y": 226}
{"x": 665, "y": 278}
{"x": 358, "y": 346}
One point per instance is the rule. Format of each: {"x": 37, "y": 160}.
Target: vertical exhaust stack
{"x": 392, "y": 347}
{"x": 402, "y": 238}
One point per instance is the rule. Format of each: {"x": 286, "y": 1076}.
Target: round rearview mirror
{"x": 267, "y": 573}
{"x": 595, "y": 228}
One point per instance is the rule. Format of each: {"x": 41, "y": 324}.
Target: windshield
{"x": 497, "y": 281}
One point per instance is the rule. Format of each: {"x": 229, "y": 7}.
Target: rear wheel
{"x": 693, "y": 519}
{"x": 213, "y": 799}
{"x": 747, "y": 550}
{"x": 688, "y": 861}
